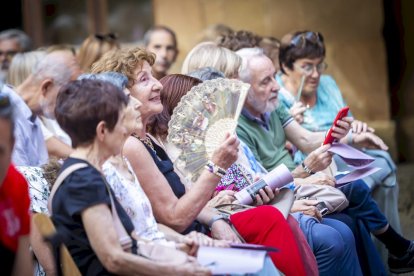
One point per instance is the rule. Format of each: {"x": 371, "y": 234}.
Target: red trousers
{"x": 265, "y": 225}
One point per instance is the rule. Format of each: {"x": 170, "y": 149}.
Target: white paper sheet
{"x": 231, "y": 260}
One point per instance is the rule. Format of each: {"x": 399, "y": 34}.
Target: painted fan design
{"x": 201, "y": 120}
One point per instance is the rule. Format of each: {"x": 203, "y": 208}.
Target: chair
{"x": 46, "y": 229}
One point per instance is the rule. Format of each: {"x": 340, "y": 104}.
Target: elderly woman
{"x": 174, "y": 206}
{"x": 93, "y": 114}
{"x": 314, "y": 100}
{"x": 128, "y": 190}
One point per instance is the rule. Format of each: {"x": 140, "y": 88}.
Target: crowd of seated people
{"x": 95, "y": 158}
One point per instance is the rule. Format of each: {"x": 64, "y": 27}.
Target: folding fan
{"x": 201, "y": 120}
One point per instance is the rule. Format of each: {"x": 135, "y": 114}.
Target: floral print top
{"x": 134, "y": 200}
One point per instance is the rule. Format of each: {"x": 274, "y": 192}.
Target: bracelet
{"x": 306, "y": 169}
{"x": 213, "y": 168}
{"x": 216, "y": 218}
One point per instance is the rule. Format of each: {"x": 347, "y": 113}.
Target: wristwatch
{"x": 306, "y": 169}
{"x": 216, "y": 218}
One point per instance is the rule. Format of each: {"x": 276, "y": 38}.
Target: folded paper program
{"x": 352, "y": 157}
{"x": 348, "y": 177}
{"x": 231, "y": 260}
{"x": 276, "y": 178}
{"x": 356, "y": 160}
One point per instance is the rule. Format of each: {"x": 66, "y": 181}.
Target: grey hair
{"x": 117, "y": 79}
{"x": 206, "y": 73}
{"x": 24, "y": 40}
{"x": 246, "y": 55}
{"x": 53, "y": 67}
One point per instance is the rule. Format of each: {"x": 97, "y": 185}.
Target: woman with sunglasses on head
{"x": 314, "y": 100}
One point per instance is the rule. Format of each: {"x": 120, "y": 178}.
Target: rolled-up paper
{"x": 277, "y": 178}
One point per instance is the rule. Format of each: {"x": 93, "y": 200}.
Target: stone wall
{"x": 352, "y": 31}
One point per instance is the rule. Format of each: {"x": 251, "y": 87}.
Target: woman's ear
{"x": 101, "y": 130}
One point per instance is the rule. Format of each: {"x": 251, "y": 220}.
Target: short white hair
{"x": 246, "y": 55}
{"x": 53, "y": 66}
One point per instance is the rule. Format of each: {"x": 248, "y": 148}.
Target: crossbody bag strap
{"x": 62, "y": 176}
{"x": 123, "y": 236}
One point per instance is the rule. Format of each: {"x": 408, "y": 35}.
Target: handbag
{"x": 334, "y": 199}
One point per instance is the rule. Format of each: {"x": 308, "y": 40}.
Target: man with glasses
{"x": 12, "y": 41}
{"x": 314, "y": 100}
{"x": 14, "y": 202}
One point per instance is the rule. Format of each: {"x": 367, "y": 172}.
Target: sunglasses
{"x": 300, "y": 39}
{"x": 106, "y": 37}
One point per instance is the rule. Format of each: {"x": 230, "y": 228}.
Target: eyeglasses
{"x": 307, "y": 69}
{"x": 106, "y": 37}
{"x": 300, "y": 39}
{"x": 8, "y": 54}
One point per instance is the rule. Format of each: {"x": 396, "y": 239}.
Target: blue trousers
{"x": 366, "y": 218}
{"x": 333, "y": 244}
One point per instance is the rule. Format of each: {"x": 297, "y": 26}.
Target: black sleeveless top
{"x": 166, "y": 167}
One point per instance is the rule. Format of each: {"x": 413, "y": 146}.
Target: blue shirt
{"x": 29, "y": 148}
{"x": 319, "y": 117}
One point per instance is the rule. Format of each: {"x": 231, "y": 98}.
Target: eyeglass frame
{"x": 8, "y": 54}
{"x": 320, "y": 68}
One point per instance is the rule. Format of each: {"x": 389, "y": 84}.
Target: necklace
{"x": 147, "y": 141}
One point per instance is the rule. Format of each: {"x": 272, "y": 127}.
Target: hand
{"x": 319, "y": 159}
{"x": 191, "y": 242}
{"x": 266, "y": 195}
{"x": 307, "y": 207}
{"x": 297, "y": 111}
{"x": 226, "y": 154}
{"x": 342, "y": 127}
{"x": 359, "y": 126}
{"x": 220, "y": 230}
{"x": 369, "y": 140}
{"x": 223, "y": 197}
{"x": 319, "y": 178}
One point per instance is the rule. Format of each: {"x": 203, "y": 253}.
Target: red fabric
{"x": 309, "y": 260}
{"x": 265, "y": 225}
{"x": 14, "y": 209}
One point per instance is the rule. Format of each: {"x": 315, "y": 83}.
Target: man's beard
{"x": 261, "y": 107}
{"x": 45, "y": 110}
{"x": 271, "y": 106}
